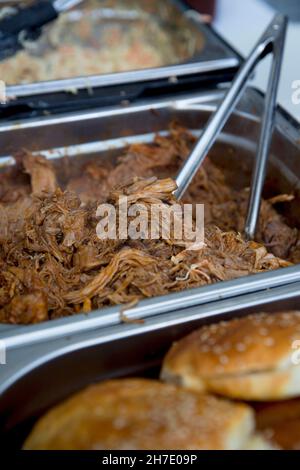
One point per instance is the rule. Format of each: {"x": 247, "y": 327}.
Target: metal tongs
{"x": 25, "y": 23}
{"x": 272, "y": 41}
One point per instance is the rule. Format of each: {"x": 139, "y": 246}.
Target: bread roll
{"x": 249, "y": 358}
{"x": 143, "y": 414}
{"x": 280, "y": 423}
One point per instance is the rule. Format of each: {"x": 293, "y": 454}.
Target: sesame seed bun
{"x": 280, "y": 423}
{"x": 249, "y": 358}
{"x": 260, "y": 442}
{"x": 143, "y": 414}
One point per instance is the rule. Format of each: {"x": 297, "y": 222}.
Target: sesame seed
{"x": 218, "y": 350}
{"x": 269, "y": 342}
{"x": 240, "y": 347}
{"x": 263, "y": 331}
{"x": 223, "y": 359}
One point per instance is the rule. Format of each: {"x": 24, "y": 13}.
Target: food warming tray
{"x": 104, "y": 132}
{"x": 199, "y": 52}
{"x": 121, "y": 351}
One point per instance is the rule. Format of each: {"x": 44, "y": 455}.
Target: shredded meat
{"x": 52, "y": 263}
{"x": 43, "y": 178}
{"x": 224, "y": 206}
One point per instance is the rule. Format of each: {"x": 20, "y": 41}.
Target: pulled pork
{"x": 225, "y": 206}
{"x": 53, "y": 264}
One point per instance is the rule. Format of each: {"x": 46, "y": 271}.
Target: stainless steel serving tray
{"x": 43, "y": 376}
{"x": 84, "y": 135}
{"x": 209, "y": 54}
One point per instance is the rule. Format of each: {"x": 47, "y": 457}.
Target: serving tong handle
{"x": 272, "y": 41}
{"x": 29, "y": 20}
{"x": 34, "y": 16}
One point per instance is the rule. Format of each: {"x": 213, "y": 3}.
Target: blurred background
{"x": 241, "y": 22}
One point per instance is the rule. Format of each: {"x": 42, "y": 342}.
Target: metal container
{"x": 191, "y": 47}
{"x": 81, "y": 136}
{"x": 47, "y": 377}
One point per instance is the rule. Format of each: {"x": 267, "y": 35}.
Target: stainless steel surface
{"x": 120, "y": 78}
{"x": 17, "y": 336}
{"x": 214, "y": 56}
{"x": 100, "y": 135}
{"x": 273, "y": 36}
{"x": 127, "y": 350}
{"x": 63, "y": 5}
{"x": 277, "y": 34}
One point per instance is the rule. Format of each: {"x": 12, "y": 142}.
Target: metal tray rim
{"x": 187, "y": 102}
{"x": 26, "y": 335}
{"x": 114, "y": 333}
{"x": 119, "y": 78}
